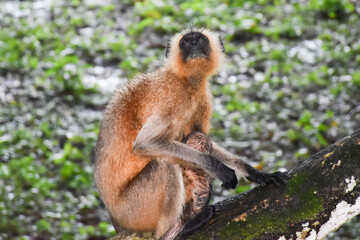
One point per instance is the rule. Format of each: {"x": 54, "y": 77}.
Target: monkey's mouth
{"x": 196, "y": 55}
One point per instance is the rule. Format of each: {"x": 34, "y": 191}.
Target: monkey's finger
{"x": 282, "y": 179}
{"x": 261, "y": 182}
{"x": 282, "y": 176}
{"x": 275, "y": 181}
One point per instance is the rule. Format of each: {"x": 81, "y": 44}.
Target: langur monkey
{"x": 150, "y": 177}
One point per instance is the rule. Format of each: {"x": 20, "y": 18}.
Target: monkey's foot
{"x": 263, "y": 179}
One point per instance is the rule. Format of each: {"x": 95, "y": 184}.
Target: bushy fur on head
{"x": 198, "y": 66}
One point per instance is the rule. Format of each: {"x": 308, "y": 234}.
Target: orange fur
{"x": 179, "y": 94}
{"x": 195, "y": 67}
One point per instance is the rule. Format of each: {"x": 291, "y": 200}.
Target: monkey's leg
{"x": 246, "y": 170}
{"x": 115, "y": 224}
{"x": 153, "y": 200}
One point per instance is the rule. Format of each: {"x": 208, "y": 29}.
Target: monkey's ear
{"x": 167, "y": 50}
{"x": 221, "y": 44}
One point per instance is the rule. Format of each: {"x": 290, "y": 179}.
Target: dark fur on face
{"x": 194, "y": 45}
{"x": 167, "y": 48}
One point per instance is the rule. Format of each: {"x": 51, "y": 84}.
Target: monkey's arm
{"x": 246, "y": 170}
{"x": 154, "y": 141}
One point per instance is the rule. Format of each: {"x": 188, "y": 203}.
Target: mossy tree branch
{"x": 323, "y": 193}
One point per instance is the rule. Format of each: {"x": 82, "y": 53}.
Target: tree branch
{"x": 322, "y": 195}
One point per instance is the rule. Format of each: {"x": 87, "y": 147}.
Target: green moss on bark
{"x": 264, "y": 220}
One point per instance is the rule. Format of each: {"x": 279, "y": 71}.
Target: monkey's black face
{"x": 194, "y": 45}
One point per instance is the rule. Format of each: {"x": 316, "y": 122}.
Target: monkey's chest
{"x": 191, "y": 126}
{"x": 195, "y": 123}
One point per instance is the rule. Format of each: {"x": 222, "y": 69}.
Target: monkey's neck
{"x": 197, "y": 81}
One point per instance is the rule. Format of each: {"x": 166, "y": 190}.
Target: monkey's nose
{"x": 193, "y": 43}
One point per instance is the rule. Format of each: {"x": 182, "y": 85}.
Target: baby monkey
{"x": 150, "y": 176}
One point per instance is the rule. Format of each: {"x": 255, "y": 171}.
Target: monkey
{"x": 146, "y": 167}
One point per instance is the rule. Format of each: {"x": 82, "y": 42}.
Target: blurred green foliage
{"x": 290, "y": 87}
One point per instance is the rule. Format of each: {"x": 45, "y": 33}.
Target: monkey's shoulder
{"x": 158, "y": 87}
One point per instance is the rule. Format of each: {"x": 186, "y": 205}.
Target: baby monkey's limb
{"x": 197, "y": 184}
{"x": 198, "y": 208}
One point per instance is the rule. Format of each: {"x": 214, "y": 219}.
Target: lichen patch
{"x": 284, "y": 238}
{"x": 316, "y": 223}
{"x": 351, "y": 184}
{"x": 305, "y": 224}
{"x": 328, "y": 154}
{"x": 242, "y": 218}
{"x": 336, "y": 165}
{"x": 312, "y": 235}
{"x": 325, "y": 157}
{"x": 265, "y": 203}
{"x": 342, "y": 213}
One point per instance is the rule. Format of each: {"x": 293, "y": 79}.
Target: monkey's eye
{"x": 200, "y": 40}
{"x": 186, "y": 42}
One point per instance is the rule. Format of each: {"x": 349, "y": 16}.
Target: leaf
{"x": 43, "y": 225}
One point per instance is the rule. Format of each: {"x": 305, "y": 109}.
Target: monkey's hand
{"x": 263, "y": 179}
{"x": 224, "y": 173}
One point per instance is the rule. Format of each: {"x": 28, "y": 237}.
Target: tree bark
{"x": 322, "y": 194}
